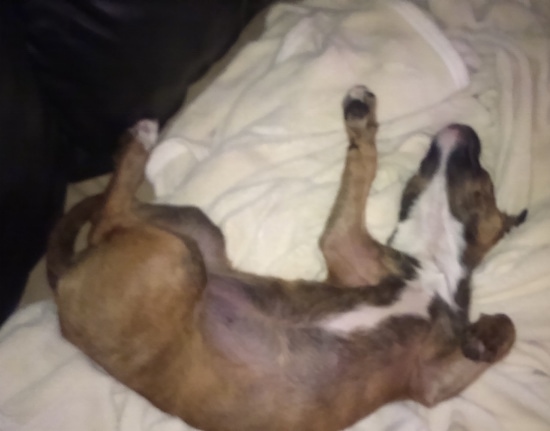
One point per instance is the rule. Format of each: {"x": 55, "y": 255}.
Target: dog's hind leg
{"x": 352, "y": 256}
{"x": 127, "y": 176}
{"x": 190, "y": 223}
{"x": 129, "y": 298}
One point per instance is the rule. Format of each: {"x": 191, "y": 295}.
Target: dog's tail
{"x": 60, "y": 251}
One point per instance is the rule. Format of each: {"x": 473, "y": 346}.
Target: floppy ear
{"x": 511, "y": 221}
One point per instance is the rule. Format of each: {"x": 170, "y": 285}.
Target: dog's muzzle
{"x": 462, "y": 146}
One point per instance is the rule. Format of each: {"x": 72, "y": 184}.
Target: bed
{"x": 261, "y": 150}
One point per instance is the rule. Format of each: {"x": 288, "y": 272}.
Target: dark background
{"x": 74, "y": 74}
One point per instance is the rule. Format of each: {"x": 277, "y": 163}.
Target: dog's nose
{"x": 461, "y": 136}
{"x": 455, "y": 134}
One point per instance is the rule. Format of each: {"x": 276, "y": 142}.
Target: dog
{"x": 155, "y": 301}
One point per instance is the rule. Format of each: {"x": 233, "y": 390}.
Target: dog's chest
{"x": 435, "y": 238}
{"x": 414, "y": 300}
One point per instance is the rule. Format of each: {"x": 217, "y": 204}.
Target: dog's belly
{"x": 276, "y": 333}
{"x": 267, "y": 337}
{"x": 305, "y": 363}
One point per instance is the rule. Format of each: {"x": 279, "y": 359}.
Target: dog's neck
{"x": 435, "y": 238}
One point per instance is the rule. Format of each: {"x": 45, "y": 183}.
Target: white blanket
{"x": 261, "y": 152}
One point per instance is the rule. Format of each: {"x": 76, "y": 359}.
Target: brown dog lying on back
{"x": 155, "y": 301}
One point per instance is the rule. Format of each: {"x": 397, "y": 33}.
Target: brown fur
{"x": 154, "y": 300}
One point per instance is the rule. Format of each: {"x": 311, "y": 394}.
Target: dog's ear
{"x": 511, "y": 221}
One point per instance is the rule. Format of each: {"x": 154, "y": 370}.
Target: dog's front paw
{"x": 146, "y": 132}
{"x": 490, "y": 338}
{"x": 360, "y": 107}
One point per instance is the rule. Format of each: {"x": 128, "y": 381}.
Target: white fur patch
{"x": 432, "y": 235}
{"x": 435, "y": 238}
{"x": 414, "y": 301}
{"x": 358, "y": 92}
{"x": 146, "y": 131}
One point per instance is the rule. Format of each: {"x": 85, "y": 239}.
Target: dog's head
{"x": 471, "y": 194}
{"x": 453, "y": 162}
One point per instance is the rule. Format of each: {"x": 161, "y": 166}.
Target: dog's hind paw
{"x": 359, "y": 107}
{"x": 146, "y": 132}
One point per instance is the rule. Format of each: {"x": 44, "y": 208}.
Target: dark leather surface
{"x": 103, "y": 64}
{"x": 73, "y": 75}
{"x": 32, "y": 186}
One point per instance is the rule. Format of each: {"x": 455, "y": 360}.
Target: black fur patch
{"x": 355, "y": 109}
{"x": 449, "y": 323}
{"x": 463, "y": 295}
{"x": 430, "y": 162}
{"x": 416, "y": 184}
{"x": 407, "y": 264}
{"x": 522, "y": 217}
{"x": 407, "y": 201}
{"x": 464, "y": 160}
{"x": 308, "y": 301}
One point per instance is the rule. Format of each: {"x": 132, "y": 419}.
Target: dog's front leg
{"x": 485, "y": 342}
{"x": 352, "y": 256}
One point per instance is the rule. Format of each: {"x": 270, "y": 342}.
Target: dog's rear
{"x": 106, "y": 214}
{"x": 127, "y": 299}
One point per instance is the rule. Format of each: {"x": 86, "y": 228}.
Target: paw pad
{"x": 146, "y": 131}
{"x": 358, "y": 103}
{"x": 490, "y": 338}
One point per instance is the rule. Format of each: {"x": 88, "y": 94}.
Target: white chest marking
{"x": 413, "y": 301}
{"x": 433, "y": 236}
{"x": 436, "y": 239}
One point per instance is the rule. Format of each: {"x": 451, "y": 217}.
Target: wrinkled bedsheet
{"x": 262, "y": 149}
